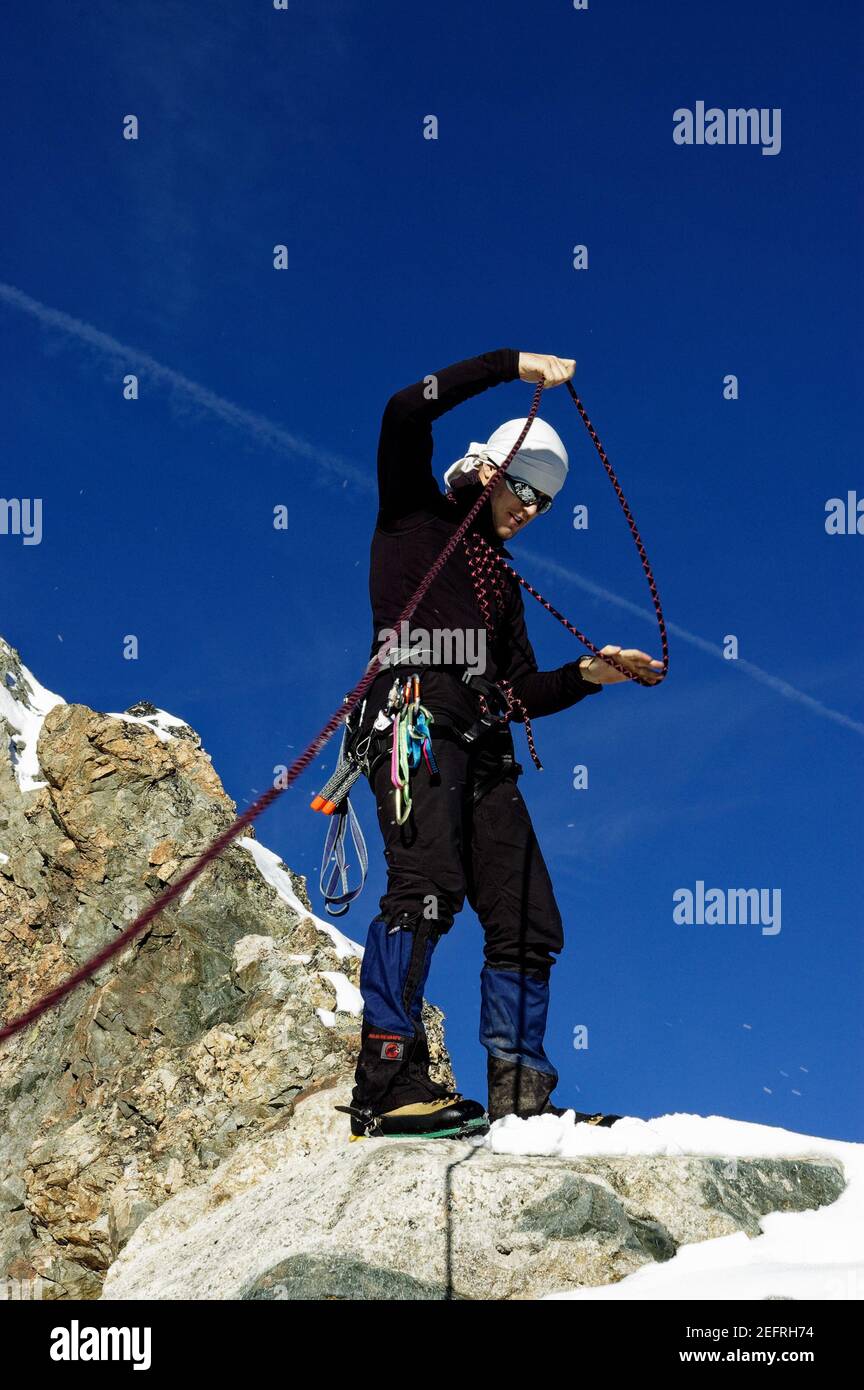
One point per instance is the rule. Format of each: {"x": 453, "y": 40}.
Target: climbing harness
{"x": 121, "y": 941}
{"x": 404, "y": 725}
{"x": 402, "y": 734}
{"x": 406, "y": 722}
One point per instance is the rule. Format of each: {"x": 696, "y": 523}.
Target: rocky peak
{"x": 233, "y": 1003}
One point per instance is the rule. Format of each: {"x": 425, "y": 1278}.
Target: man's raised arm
{"x": 406, "y": 482}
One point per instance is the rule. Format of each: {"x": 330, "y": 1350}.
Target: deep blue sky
{"x": 305, "y": 127}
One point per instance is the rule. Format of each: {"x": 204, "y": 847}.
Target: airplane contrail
{"x": 273, "y": 436}
{"x": 790, "y": 692}
{"x": 264, "y": 431}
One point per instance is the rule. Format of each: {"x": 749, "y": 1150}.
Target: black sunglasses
{"x": 529, "y": 495}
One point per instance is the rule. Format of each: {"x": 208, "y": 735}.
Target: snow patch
{"x": 25, "y": 713}
{"x": 348, "y": 997}
{"x": 811, "y": 1254}
{"x": 349, "y": 1000}
{"x": 271, "y": 868}
{"x": 161, "y": 722}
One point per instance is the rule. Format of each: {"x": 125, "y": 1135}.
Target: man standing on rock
{"x": 455, "y": 824}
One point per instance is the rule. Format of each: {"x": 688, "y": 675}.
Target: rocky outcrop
{"x": 302, "y": 1215}
{"x": 233, "y": 1005}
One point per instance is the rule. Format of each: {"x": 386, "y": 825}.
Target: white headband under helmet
{"x": 541, "y": 461}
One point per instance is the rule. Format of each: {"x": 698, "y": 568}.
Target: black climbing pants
{"x": 456, "y": 844}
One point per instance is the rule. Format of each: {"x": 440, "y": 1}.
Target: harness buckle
{"x": 478, "y": 728}
{"x": 496, "y": 702}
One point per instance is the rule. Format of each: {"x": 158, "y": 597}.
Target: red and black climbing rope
{"x": 485, "y": 576}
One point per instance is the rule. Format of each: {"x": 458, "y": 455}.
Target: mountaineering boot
{"x": 515, "y": 1089}
{"x": 452, "y": 1117}
{"x": 393, "y": 1094}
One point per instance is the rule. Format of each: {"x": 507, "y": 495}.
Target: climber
{"x": 463, "y": 830}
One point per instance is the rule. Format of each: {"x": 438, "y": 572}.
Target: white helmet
{"x": 541, "y": 461}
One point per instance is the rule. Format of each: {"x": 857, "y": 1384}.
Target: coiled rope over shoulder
{"x": 125, "y": 938}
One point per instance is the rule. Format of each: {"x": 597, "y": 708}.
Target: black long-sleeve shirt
{"x": 415, "y": 521}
